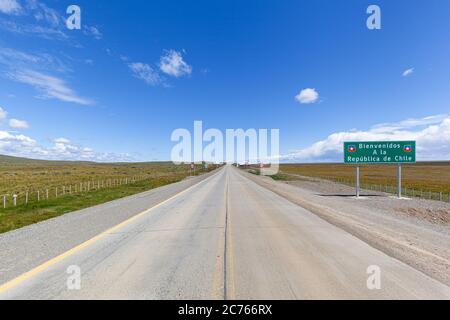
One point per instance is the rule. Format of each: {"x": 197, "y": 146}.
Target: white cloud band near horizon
{"x": 20, "y": 145}
{"x": 431, "y": 133}
{"x": 17, "y": 144}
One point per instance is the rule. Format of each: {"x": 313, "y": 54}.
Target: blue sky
{"x": 137, "y": 70}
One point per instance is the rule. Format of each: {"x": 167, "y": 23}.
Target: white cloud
{"x": 64, "y": 149}
{"x": 431, "y": 133}
{"x": 46, "y": 32}
{"x": 93, "y": 32}
{"x": 48, "y": 23}
{"x": 146, "y": 73}
{"x": 62, "y": 140}
{"x": 33, "y": 68}
{"x": 18, "y": 124}
{"x": 408, "y": 72}
{"x": 49, "y": 86}
{"x": 172, "y": 63}
{"x": 307, "y": 96}
{"x": 10, "y": 6}
{"x": 41, "y": 12}
{"x": 3, "y": 113}
{"x": 18, "y": 145}
{"x": 44, "y": 22}
{"x": 61, "y": 149}
{"x": 17, "y": 59}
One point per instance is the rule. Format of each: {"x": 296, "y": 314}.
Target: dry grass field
{"x": 23, "y": 177}
{"x": 426, "y": 176}
{"x": 18, "y": 175}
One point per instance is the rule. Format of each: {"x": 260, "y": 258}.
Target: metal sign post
{"x": 400, "y": 180}
{"x": 357, "y": 182}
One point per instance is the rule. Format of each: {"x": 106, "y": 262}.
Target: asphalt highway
{"x": 222, "y": 237}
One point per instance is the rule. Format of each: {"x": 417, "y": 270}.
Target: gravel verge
{"x": 414, "y": 231}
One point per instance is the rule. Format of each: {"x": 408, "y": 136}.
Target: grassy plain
{"x": 18, "y": 176}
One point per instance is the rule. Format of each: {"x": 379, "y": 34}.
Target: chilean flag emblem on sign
{"x": 408, "y": 148}
{"x": 351, "y": 149}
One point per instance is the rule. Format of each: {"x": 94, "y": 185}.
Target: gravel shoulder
{"x": 25, "y": 248}
{"x": 416, "y": 232}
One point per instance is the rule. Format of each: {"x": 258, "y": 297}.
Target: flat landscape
{"x": 74, "y": 185}
{"x": 230, "y": 235}
{"x": 425, "y": 176}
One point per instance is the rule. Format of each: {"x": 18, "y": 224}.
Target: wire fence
{"x": 25, "y": 197}
{"x": 391, "y": 189}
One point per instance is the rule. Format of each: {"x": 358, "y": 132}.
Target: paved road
{"x": 224, "y": 238}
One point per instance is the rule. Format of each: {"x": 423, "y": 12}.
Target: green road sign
{"x": 374, "y": 152}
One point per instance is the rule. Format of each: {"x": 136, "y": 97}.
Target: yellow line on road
{"x": 231, "y": 285}
{"x": 20, "y": 279}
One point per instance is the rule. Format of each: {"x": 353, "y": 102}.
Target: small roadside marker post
{"x": 4, "y": 202}
{"x": 15, "y": 200}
